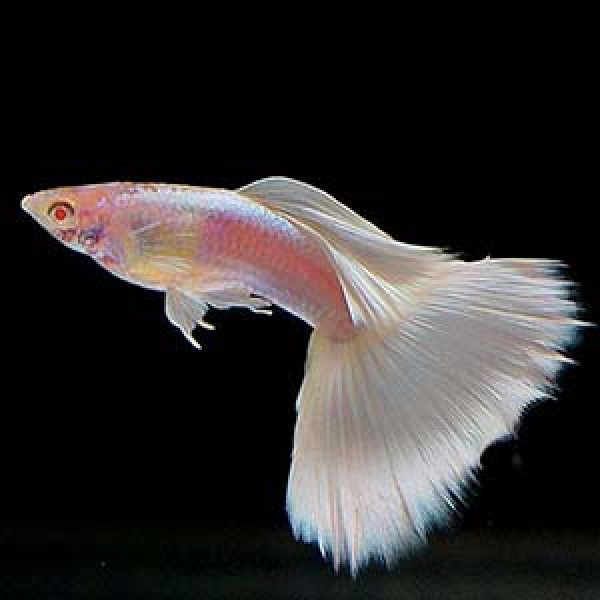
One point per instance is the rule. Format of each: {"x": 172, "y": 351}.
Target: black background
{"x": 113, "y": 422}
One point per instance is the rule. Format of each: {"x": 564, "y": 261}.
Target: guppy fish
{"x": 417, "y": 360}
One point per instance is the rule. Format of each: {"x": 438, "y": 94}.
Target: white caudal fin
{"x": 445, "y": 356}
{"x": 392, "y": 422}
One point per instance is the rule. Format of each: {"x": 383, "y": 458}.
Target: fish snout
{"x": 26, "y": 204}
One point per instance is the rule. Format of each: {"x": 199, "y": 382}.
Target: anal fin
{"x": 235, "y": 295}
{"x": 185, "y": 312}
{"x": 185, "y": 308}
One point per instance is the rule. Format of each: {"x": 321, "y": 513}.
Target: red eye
{"x": 60, "y": 213}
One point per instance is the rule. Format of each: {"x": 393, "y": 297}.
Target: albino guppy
{"x": 417, "y": 361}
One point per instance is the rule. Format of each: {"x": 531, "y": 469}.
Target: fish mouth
{"x": 26, "y": 204}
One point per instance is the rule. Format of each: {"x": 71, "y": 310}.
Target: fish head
{"x": 58, "y": 212}
{"x": 79, "y": 217}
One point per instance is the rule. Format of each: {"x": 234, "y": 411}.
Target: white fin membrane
{"x": 392, "y": 422}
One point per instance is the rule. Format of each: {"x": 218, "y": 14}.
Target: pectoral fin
{"x": 160, "y": 250}
{"x": 185, "y": 308}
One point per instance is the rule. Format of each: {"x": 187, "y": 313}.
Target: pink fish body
{"x": 417, "y": 361}
{"x": 182, "y": 238}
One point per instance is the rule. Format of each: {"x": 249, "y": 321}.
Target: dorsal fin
{"x": 365, "y": 256}
{"x": 305, "y": 201}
